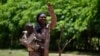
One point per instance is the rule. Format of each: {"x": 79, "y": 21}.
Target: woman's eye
{"x": 43, "y": 17}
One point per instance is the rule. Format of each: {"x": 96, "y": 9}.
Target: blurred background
{"x": 77, "y": 28}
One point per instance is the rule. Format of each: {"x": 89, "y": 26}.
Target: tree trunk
{"x": 60, "y": 52}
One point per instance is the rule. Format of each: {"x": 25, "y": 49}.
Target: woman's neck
{"x": 43, "y": 25}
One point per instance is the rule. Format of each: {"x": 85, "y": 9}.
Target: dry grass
{"x": 21, "y": 52}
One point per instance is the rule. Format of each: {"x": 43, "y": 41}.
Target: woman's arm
{"x": 53, "y": 16}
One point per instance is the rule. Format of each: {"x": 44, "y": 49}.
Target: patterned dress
{"x": 44, "y": 36}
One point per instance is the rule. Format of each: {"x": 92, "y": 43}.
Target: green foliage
{"x": 13, "y": 16}
{"x": 79, "y": 17}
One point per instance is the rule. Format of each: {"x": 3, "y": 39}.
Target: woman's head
{"x": 41, "y": 18}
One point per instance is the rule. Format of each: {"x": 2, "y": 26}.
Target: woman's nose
{"x": 44, "y": 18}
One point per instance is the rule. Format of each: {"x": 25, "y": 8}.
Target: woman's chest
{"x": 44, "y": 33}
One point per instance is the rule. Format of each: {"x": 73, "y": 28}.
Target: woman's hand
{"x": 50, "y": 7}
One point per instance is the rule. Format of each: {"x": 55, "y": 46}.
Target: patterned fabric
{"x": 42, "y": 34}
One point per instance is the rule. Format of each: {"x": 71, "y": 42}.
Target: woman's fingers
{"x": 50, "y": 7}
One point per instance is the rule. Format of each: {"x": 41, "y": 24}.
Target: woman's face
{"x": 42, "y": 19}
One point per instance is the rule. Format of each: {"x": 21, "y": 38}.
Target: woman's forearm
{"x": 53, "y": 15}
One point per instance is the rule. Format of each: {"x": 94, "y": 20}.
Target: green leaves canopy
{"x": 77, "y": 16}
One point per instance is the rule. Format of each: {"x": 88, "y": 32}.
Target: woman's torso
{"x": 43, "y": 36}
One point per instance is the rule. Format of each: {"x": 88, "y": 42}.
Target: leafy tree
{"x": 81, "y": 19}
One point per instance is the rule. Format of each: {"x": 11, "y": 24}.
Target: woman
{"x": 42, "y": 32}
